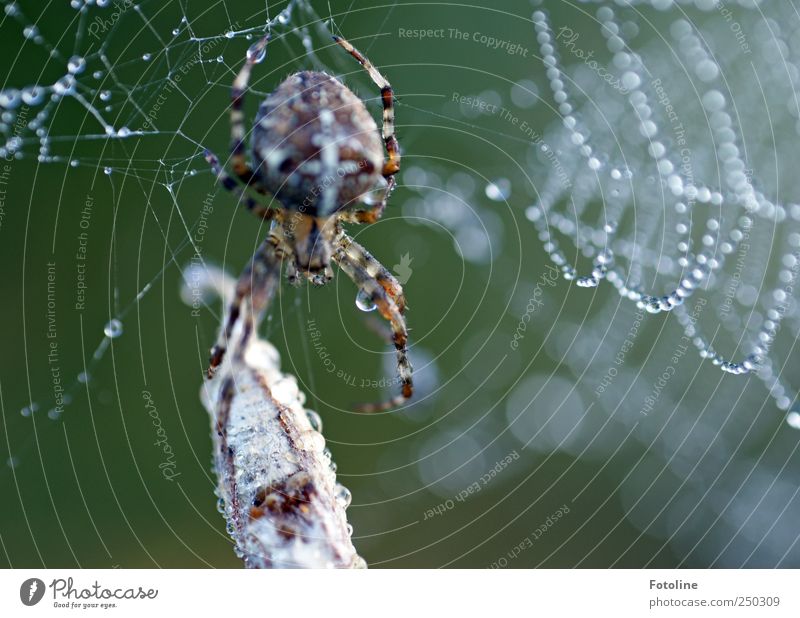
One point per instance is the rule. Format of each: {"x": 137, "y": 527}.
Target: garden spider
{"x": 316, "y": 154}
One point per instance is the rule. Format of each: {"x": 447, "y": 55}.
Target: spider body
{"x": 315, "y": 145}
{"x": 316, "y": 156}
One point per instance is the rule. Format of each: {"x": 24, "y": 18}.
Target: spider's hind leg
{"x": 254, "y": 291}
{"x": 359, "y": 272}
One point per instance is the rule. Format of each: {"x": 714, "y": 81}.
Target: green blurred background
{"x": 86, "y": 489}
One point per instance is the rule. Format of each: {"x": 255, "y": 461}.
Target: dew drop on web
{"x": 113, "y": 329}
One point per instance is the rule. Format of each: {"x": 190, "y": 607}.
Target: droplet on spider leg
{"x": 113, "y": 328}
{"x": 364, "y": 302}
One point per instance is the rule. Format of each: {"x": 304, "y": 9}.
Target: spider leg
{"x": 375, "y": 269}
{"x": 254, "y": 291}
{"x": 370, "y": 215}
{"x": 258, "y": 209}
{"x": 359, "y": 273}
{"x": 392, "y": 166}
{"x": 238, "y": 159}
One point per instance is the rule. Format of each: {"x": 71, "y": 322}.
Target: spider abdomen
{"x": 316, "y": 147}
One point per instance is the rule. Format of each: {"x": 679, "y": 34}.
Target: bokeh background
{"x": 510, "y": 455}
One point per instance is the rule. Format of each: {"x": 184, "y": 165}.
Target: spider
{"x": 316, "y": 155}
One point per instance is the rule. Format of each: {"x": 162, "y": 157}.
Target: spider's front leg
{"x": 254, "y": 291}
{"x": 359, "y": 271}
{"x": 371, "y": 215}
{"x": 238, "y": 159}
{"x": 392, "y": 165}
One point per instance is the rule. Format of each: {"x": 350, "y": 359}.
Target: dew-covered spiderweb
{"x": 677, "y": 176}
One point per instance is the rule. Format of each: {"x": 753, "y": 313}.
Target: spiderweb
{"x": 698, "y": 196}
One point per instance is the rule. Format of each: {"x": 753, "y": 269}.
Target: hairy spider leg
{"x": 392, "y": 166}
{"x": 254, "y": 292}
{"x": 376, "y": 270}
{"x": 239, "y": 163}
{"x": 259, "y": 210}
{"x": 387, "y": 307}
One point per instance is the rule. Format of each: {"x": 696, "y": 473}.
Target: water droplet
{"x": 74, "y": 163}
{"x": 176, "y": 31}
{"x": 364, "y": 302}
{"x": 83, "y": 377}
{"x": 257, "y": 52}
{"x": 28, "y": 410}
{"x": 107, "y": 171}
{"x": 793, "y": 419}
{"x": 123, "y": 132}
{"x": 113, "y": 329}
{"x": 652, "y": 305}
{"x": 105, "y": 95}
{"x": 64, "y": 85}
{"x": 221, "y": 505}
{"x": 499, "y": 190}
{"x": 315, "y": 420}
{"x": 76, "y": 65}
{"x": 30, "y": 32}
{"x": 97, "y": 74}
{"x": 343, "y": 496}
{"x": 229, "y": 34}
{"x": 12, "y": 462}
{"x": 54, "y": 414}
{"x": 32, "y": 95}
{"x": 147, "y": 57}
{"x": 9, "y": 98}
